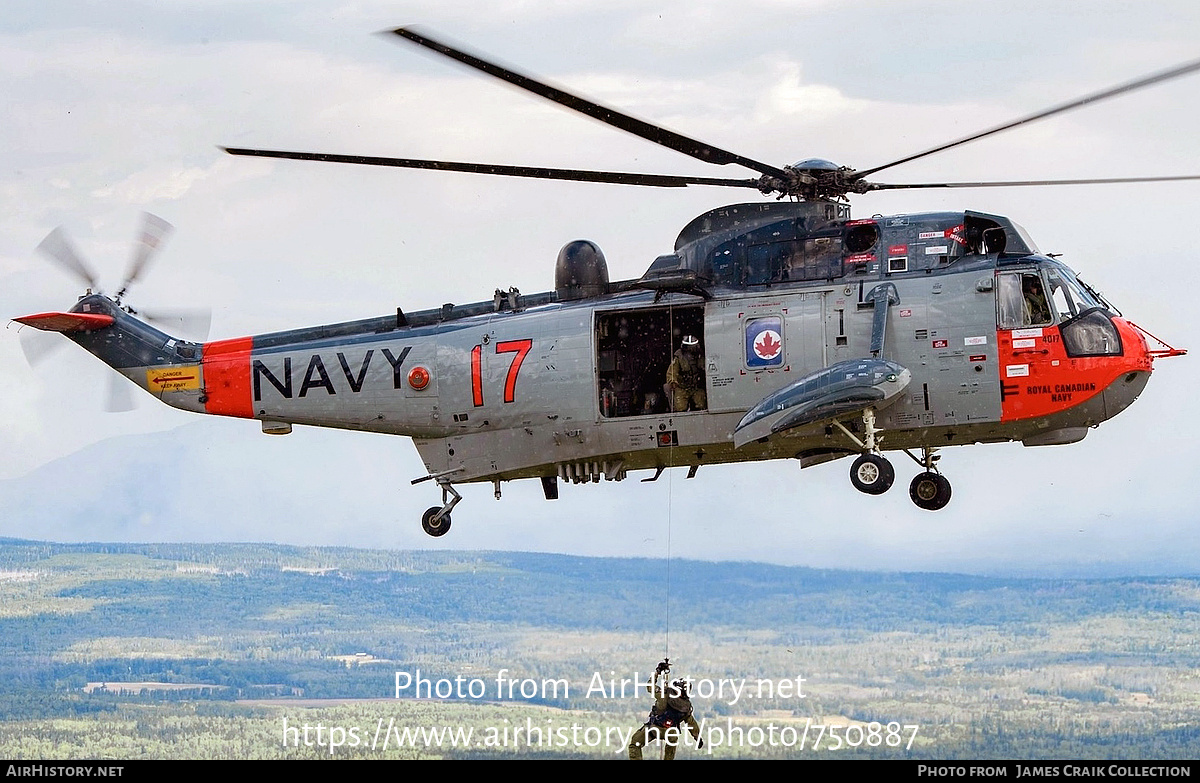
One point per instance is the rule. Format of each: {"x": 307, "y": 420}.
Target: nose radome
{"x": 1137, "y": 353}
{"x": 1122, "y": 392}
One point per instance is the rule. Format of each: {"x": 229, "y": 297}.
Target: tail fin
{"x": 66, "y": 322}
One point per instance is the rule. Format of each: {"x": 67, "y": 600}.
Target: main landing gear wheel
{"x": 930, "y": 491}
{"x": 872, "y": 474}
{"x": 435, "y": 527}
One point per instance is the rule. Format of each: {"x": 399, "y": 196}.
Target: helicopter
{"x": 817, "y": 336}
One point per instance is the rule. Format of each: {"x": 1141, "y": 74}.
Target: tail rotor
{"x": 188, "y": 323}
{"x": 155, "y": 232}
{"x": 58, "y": 248}
{"x": 118, "y": 399}
{"x": 38, "y": 346}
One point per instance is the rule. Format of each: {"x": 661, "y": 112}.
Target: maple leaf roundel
{"x": 767, "y": 345}
{"x": 764, "y": 342}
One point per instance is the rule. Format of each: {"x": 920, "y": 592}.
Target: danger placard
{"x": 173, "y": 378}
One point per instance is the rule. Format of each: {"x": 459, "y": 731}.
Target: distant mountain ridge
{"x": 701, "y": 592}
{"x": 327, "y": 487}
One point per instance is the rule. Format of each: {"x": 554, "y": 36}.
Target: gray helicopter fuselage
{"x": 572, "y": 385}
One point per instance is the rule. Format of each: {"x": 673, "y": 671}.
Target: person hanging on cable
{"x": 671, "y": 712}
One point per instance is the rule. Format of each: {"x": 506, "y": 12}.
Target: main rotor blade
{"x": 155, "y": 231}
{"x": 1023, "y": 183}
{"x": 59, "y": 249}
{"x": 538, "y": 172}
{"x": 1112, "y": 92}
{"x": 662, "y": 136}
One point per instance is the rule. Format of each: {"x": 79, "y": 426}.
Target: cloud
{"x": 145, "y": 187}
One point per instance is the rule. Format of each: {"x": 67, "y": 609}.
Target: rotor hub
{"x": 813, "y": 179}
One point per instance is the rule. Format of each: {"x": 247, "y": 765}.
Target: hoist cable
{"x": 670, "y": 483}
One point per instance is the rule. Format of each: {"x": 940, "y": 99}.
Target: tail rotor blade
{"x": 59, "y": 249}
{"x": 155, "y": 231}
{"x": 189, "y": 323}
{"x": 119, "y": 398}
{"x": 38, "y": 346}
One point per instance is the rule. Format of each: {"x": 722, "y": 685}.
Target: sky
{"x": 115, "y": 108}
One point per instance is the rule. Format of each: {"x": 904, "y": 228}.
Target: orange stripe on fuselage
{"x": 1039, "y": 379}
{"x": 227, "y": 377}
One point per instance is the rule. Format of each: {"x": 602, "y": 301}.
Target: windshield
{"x": 1068, "y": 297}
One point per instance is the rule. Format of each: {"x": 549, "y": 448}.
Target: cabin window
{"x": 822, "y": 257}
{"x": 1064, "y": 303}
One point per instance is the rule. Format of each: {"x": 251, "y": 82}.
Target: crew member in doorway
{"x": 685, "y": 377}
{"x": 672, "y": 712}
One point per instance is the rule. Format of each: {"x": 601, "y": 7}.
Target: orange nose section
{"x": 1133, "y": 342}
{"x": 1042, "y": 379}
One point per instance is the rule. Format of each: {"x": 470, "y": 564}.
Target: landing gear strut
{"x": 871, "y": 472}
{"x": 930, "y": 490}
{"x": 436, "y": 519}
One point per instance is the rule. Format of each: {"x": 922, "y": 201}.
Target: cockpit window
{"x": 1021, "y": 300}
{"x": 1064, "y": 303}
{"x": 1069, "y": 297}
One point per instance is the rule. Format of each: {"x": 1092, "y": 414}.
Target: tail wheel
{"x": 432, "y": 526}
{"x": 930, "y": 491}
{"x": 872, "y": 474}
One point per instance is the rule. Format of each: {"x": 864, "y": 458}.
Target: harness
{"x": 666, "y": 719}
{"x": 675, "y": 711}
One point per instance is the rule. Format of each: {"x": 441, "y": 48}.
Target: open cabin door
{"x": 634, "y": 348}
